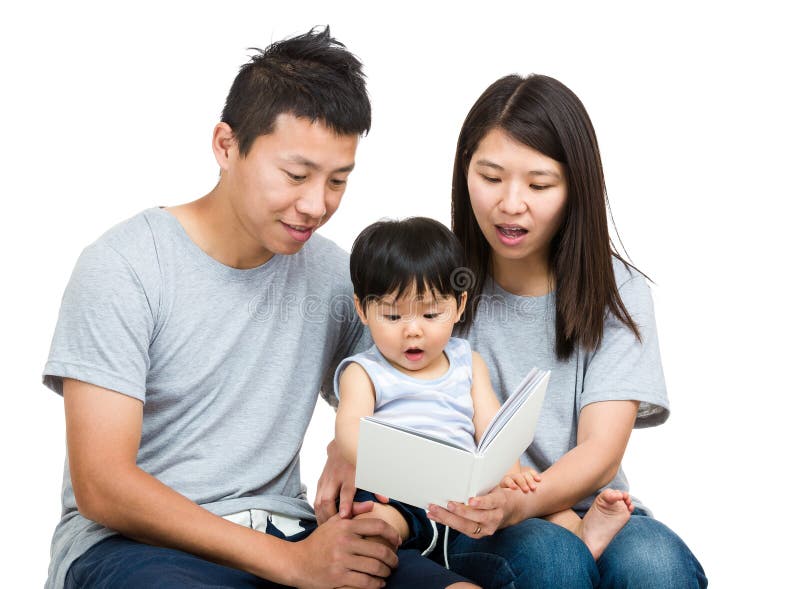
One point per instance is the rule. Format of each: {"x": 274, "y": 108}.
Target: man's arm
{"x": 103, "y": 435}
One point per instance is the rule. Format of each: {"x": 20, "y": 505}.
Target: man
{"x": 192, "y": 342}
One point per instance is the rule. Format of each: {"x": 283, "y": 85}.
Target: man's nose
{"x": 312, "y": 203}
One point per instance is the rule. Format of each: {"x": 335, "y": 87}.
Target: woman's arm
{"x": 603, "y": 432}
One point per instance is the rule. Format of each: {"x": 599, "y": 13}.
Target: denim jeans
{"x": 536, "y": 553}
{"x": 121, "y": 563}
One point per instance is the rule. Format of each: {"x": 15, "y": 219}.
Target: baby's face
{"x": 411, "y": 331}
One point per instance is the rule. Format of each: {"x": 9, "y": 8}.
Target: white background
{"x": 107, "y": 109}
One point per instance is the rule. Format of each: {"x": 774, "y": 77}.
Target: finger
{"x": 522, "y": 481}
{"x": 372, "y": 526}
{"x": 531, "y": 480}
{"x": 360, "y": 507}
{"x": 509, "y": 483}
{"x": 346, "y": 494}
{"x": 324, "y": 507}
{"x": 362, "y": 581}
{"x": 490, "y": 501}
{"x": 376, "y": 551}
{"x": 382, "y": 498}
{"x": 449, "y": 518}
{"x": 536, "y": 476}
{"x": 367, "y": 566}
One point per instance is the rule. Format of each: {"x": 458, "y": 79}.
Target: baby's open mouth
{"x": 414, "y": 353}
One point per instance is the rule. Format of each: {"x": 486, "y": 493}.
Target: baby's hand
{"x": 523, "y": 481}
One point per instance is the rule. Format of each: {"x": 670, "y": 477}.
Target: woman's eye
{"x": 491, "y": 179}
{"x": 538, "y": 187}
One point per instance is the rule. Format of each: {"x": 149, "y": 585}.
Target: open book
{"x": 419, "y": 469}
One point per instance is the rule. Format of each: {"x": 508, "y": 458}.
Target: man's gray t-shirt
{"x": 227, "y": 362}
{"x": 514, "y": 333}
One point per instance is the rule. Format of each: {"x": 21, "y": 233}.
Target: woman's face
{"x": 518, "y": 196}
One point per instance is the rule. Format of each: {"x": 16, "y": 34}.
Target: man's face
{"x": 290, "y": 182}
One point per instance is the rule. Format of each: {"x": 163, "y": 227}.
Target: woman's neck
{"x": 523, "y": 277}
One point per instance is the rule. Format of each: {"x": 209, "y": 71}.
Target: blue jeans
{"x": 121, "y": 563}
{"x": 536, "y": 553}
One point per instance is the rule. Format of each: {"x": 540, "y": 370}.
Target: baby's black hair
{"x": 418, "y": 252}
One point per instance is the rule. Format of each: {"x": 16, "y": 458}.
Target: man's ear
{"x": 224, "y": 145}
{"x": 361, "y": 313}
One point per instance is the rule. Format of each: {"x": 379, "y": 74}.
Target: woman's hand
{"x": 482, "y": 516}
{"x": 337, "y": 481}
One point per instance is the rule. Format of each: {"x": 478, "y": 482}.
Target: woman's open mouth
{"x": 510, "y": 234}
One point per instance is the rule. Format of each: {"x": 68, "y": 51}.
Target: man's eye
{"x": 295, "y": 177}
{"x": 338, "y": 183}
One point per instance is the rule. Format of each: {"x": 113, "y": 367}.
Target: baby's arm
{"x": 357, "y": 400}
{"x": 485, "y": 406}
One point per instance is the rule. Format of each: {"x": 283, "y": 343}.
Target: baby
{"x": 417, "y": 375}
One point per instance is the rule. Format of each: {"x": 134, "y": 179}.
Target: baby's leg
{"x": 610, "y": 511}
{"x": 392, "y": 517}
{"x": 395, "y": 519}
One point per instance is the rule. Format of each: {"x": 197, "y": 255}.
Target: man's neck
{"x": 212, "y": 224}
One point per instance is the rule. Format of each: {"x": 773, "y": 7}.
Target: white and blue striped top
{"x": 441, "y": 407}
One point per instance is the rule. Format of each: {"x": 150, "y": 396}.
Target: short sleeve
{"x": 624, "y": 368}
{"x": 104, "y": 326}
{"x": 354, "y": 338}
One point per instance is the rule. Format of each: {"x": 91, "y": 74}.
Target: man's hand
{"x": 338, "y": 554}
{"x": 483, "y": 516}
{"x": 337, "y": 481}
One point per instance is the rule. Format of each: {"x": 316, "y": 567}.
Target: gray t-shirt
{"x": 514, "y": 333}
{"x": 227, "y": 362}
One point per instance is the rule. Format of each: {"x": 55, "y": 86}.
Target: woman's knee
{"x": 646, "y": 553}
{"x": 534, "y": 553}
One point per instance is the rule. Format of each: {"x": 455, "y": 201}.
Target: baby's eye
{"x": 431, "y": 315}
{"x": 392, "y": 317}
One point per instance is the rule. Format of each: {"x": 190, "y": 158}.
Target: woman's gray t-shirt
{"x": 228, "y": 363}
{"x": 514, "y": 333}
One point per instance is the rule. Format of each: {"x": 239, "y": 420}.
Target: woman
{"x": 529, "y": 207}
{"x": 549, "y": 291}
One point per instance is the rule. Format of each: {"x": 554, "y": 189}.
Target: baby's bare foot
{"x": 610, "y": 511}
